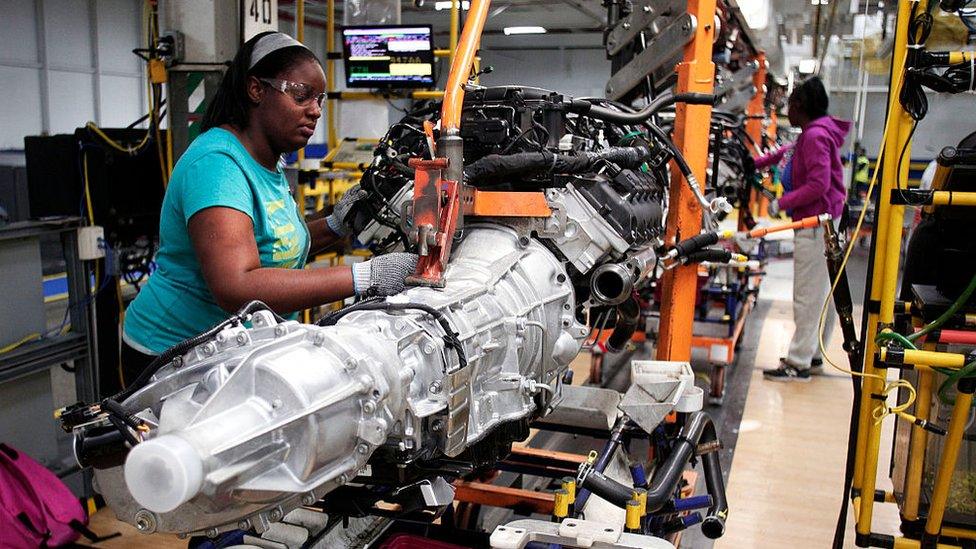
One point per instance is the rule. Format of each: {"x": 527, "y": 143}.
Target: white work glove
{"x": 384, "y": 274}
{"x": 337, "y": 219}
{"x": 773, "y": 208}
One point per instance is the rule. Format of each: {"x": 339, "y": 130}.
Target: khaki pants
{"x": 811, "y": 284}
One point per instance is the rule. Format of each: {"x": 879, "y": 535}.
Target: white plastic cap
{"x": 163, "y": 473}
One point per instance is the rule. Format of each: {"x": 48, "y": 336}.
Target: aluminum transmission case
{"x": 263, "y": 419}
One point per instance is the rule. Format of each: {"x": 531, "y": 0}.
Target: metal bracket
{"x": 458, "y": 411}
{"x": 571, "y": 532}
{"x": 641, "y": 16}
{"x": 657, "y": 388}
{"x": 663, "y": 47}
{"x": 436, "y": 212}
{"x": 436, "y": 493}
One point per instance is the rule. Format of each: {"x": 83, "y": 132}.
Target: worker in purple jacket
{"x": 818, "y": 188}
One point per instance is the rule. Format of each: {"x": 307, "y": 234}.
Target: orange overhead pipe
{"x": 696, "y": 73}
{"x": 474, "y": 24}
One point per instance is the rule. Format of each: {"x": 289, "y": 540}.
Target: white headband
{"x": 270, "y": 43}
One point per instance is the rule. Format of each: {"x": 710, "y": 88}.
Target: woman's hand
{"x": 384, "y": 274}
{"x": 337, "y": 220}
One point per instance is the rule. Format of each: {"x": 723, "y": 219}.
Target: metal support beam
{"x": 695, "y": 74}
{"x": 578, "y": 6}
{"x": 43, "y": 74}
{"x": 754, "y": 127}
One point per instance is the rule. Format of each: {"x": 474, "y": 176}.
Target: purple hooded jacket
{"x": 818, "y": 176}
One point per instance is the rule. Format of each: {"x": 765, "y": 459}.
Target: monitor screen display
{"x": 391, "y": 56}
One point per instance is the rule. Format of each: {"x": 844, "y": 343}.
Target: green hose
{"x": 895, "y": 336}
{"x": 963, "y": 298}
{"x": 953, "y": 377}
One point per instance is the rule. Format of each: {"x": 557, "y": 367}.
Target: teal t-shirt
{"x": 216, "y": 170}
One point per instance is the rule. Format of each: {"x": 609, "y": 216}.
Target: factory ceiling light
{"x": 524, "y": 30}
{"x": 446, "y": 4}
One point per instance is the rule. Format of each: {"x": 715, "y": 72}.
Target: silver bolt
{"x": 436, "y": 426}
{"x": 241, "y": 340}
{"x": 308, "y": 499}
{"x": 369, "y": 407}
{"x": 208, "y": 349}
{"x": 178, "y": 362}
{"x": 343, "y": 478}
{"x": 279, "y": 330}
{"x": 211, "y": 533}
{"x": 276, "y": 403}
{"x": 318, "y": 338}
{"x": 351, "y": 364}
{"x": 244, "y": 524}
{"x": 399, "y": 325}
{"x": 435, "y": 387}
{"x": 275, "y": 515}
{"x": 428, "y": 348}
{"x": 365, "y": 384}
{"x": 145, "y": 521}
{"x": 362, "y": 448}
{"x": 626, "y": 25}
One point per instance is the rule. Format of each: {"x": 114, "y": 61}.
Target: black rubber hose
{"x": 698, "y": 428}
{"x": 679, "y": 158}
{"x": 184, "y": 346}
{"x": 628, "y": 317}
{"x": 644, "y": 114}
{"x": 609, "y": 449}
{"x": 608, "y": 489}
{"x": 715, "y": 255}
{"x": 696, "y": 243}
{"x": 504, "y": 165}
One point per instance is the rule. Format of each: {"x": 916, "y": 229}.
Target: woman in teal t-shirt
{"x": 229, "y": 230}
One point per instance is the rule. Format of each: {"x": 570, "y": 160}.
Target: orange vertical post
{"x": 756, "y": 113}
{"x": 696, "y": 73}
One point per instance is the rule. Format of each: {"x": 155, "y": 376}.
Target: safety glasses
{"x": 301, "y": 93}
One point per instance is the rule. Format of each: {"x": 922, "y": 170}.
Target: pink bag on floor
{"x": 36, "y": 508}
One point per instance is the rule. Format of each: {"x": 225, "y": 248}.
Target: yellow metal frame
{"x": 881, "y": 316}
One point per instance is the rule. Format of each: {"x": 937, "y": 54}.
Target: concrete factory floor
{"x": 784, "y": 443}
{"x": 787, "y": 471}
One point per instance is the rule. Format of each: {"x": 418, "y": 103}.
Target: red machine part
{"x": 436, "y": 206}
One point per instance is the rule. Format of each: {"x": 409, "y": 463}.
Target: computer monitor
{"x": 389, "y": 56}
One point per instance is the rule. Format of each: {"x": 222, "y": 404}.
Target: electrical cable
{"x": 882, "y": 410}
{"x": 243, "y": 315}
{"x": 450, "y": 336}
